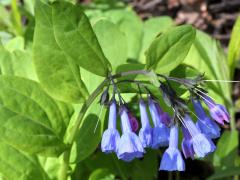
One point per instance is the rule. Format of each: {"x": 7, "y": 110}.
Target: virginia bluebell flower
{"x": 201, "y": 144}
{"x": 129, "y": 146}
{"x": 217, "y": 111}
{"x": 145, "y": 133}
{"x": 133, "y": 121}
{"x": 111, "y": 136}
{"x": 172, "y": 159}
{"x": 187, "y": 145}
{"x": 160, "y": 131}
{"x": 204, "y": 123}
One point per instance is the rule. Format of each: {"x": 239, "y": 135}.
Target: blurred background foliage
{"x": 125, "y": 30}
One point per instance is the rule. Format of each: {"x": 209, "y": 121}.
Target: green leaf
{"x": 169, "y": 49}
{"x": 76, "y": 38}
{"x": 91, "y": 80}
{"x": 112, "y": 41}
{"x": 131, "y": 25}
{"x": 29, "y": 119}
{"x": 16, "y": 43}
{"x": 233, "y": 48}
{"x": 51, "y": 166}
{"x": 148, "y": 165}
{"x": 227, "y": 150}
{"x": 17, "y": 63}
{"x": 151, "y": 28}
{"x": 101, "y": 174}
{"x": 93, "y": 119}
{"x": 17, "y": 165}
{"x": 57, "y": 72}
{"x": 145, "y": 168}
{"x": 223, "y": 174}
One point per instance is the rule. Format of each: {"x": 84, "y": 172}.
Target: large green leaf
{"x": 17, "y": 63}
{"x": 151, "y": 28}
{"x": 112, "y": 41}
{"x": 226, "y": 153}
{"x": 233, "y": 49}
{"x": 58, "y": 73}
{"x": 51, "y": 166}
{"x": 169, "y": 49}
{"x": 16, "y": 43}
{"x": 18, "y": 165}
{"x": 76, "y": 38}
{"x": 131, "y": 25}
{"x": 29, "y": 119}
{"x": 226, "y": 156}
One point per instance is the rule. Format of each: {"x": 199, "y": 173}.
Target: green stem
{"x": 66, "y": 155}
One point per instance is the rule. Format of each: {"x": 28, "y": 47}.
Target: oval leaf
{"x": 169, "y": 49}
{"x": 17, "y": 165}
{"x": 57, "y": 72}
{"x": 113, "y": 42}
{"x": 76, "y": 38}
{"x": 29, "y": 119}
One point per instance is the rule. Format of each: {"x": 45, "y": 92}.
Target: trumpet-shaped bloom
{"x": 204, "y": 123}
{"x": 145, "y": 133}
{"x": 217, "y": 111}
{"x": 129, "y": 146}
{"x": 201, "y": 144}
{"x": 160, "y": 131}
{"x": 172, "y": 159}
{"x": 111, "y": 136}
{"x": 187, "y": 145}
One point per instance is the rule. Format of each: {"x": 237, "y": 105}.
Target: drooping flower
{"x": 172, "y": 159}
{"x": 202, "y": 145}
{"x": 187, "y": 145}
{"x": 217, "y": 111}
{"x": 133, "y": 121}
{"x": 204, "y": 123}
{"x": 145, "y": 133}
{"x": 111, "y": 136}
{"x": 160, "y": 131}
{"x": 129, "y": 146}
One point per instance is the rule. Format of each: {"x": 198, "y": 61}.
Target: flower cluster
{"x": 158, "y": 129}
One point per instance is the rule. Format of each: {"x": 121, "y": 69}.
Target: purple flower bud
{"x": 187, "y": 145}
{"x": 145, "y": 133}
{"x": 217, "y": 111}
{"x": 164, "y": 116}
{"x": 205, "y": 124}
{"x": 133, "y": 121}
{"x": 111, "y": 136}
{"x": 160, "y": 131}
{"x": 172, "y": 159}
{"x": 201, "y": 144}
{"x": 129, "y": 146}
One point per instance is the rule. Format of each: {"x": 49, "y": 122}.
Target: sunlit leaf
{"x": 169, "y": 49}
